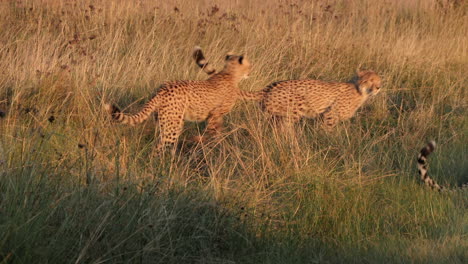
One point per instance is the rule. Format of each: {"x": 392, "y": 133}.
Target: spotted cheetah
{"x": 334, "y": 101}
{"x": 422, "y": 169}
{"x": 293, "y": 99}
{"x": 197, "y": 101}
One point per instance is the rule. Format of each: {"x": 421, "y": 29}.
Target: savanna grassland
{"x": 76, "y": 188}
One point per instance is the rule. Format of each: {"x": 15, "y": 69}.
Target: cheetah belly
{"x": 283, "y": 106}
{"x": 197, "y": 111}
{"x": 311, "y": 113}
{"x": 195, "y": 116}
{"x": 316, "y": 110}
{"x": 318, "y": 104}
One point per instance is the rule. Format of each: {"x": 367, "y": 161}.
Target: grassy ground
{"x": 75, "y": 188}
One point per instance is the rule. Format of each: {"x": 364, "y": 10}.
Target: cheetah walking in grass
{"x": 294, "y": 99}
{"x": 195, "y": 101}
{"x": 334, "y": 101}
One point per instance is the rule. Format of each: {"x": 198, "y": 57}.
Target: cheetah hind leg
{"x": 170, "y": 130}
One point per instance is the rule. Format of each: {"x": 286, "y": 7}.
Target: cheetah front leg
{"x": 213, "y": 128}
{"x": 214, "y": 125}
{"x": 215, "y": 122}
{"x": 330, "y": 119}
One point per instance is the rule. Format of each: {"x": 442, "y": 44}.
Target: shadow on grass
{"x": 47, "y": 218}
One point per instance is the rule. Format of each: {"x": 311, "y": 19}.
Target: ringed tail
{"x": 119, "y": 117}
{"x": 202, "y": 62}
{"x": 422, "y": 166}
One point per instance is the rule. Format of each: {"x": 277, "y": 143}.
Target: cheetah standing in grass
{"x": 294, "y": 99}
{"x": 334, "y": 101}
{"x": 192, "y": 101}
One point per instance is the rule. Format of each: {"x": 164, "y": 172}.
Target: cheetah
{"x": 196, "y": 101}
{"x": 334, "y": 101}
{"x": 294, "y": 99}
{"x": 422, "y": 169}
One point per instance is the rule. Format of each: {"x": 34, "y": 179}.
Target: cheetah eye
{"x": 228, "y": 57}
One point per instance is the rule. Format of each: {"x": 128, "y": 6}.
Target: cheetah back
{"x": 302, "y": 98}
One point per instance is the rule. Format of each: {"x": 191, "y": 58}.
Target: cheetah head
{"x": 237, "y": 65}
{"x": 368, "y": 82}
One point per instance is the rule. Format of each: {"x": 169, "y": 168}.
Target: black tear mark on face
{"x": 241, "y": 58}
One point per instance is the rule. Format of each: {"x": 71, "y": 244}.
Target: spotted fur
{"x": 422, "y": 168}
{"x": 294, "y": 99}
{"x": 191, "y": 101}
{"x": 201, "y": 61}
{"x": 334, "y": 101}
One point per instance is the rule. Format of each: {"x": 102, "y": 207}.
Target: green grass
{"x": 79, "y": 189}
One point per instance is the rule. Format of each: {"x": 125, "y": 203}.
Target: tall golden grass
{"x": 351, "y": 193}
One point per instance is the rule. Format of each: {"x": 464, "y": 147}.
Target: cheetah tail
{"x": 137, "y": 118}
{"x": 422, "y": 166}
{"x": 246, "y": 95}
{"x": 202, "y": 62}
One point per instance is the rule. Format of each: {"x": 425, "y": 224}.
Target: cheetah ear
{"x": 241, "y": 58}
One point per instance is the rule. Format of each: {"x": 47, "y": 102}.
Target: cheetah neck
{"x": 356, "y": 87}
{"x": 362, "y": 95}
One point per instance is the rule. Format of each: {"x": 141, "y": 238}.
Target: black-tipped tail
{"x": 113, "y": 110}
{"x": 422, "y": 166}
{"x": 201, "y": 61}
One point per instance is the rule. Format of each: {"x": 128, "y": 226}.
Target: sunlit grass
{"x": 76, "y": 188}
